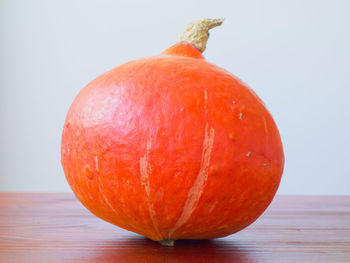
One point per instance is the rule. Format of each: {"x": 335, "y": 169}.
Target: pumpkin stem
{"x": 197, "y": 33}
{"x": 167, "y": 242}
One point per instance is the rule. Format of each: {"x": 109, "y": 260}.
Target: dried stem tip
{"x": 197, "y": 33}
{"x": 167, "y": 242}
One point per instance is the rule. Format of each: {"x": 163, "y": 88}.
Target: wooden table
{"x": 42, "y": 227}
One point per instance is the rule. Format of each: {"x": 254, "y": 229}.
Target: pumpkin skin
{"x": 172, "y": 147}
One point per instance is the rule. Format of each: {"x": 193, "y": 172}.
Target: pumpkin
{"x": 172, "y": 146}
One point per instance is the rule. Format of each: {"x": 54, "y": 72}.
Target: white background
{"x": 294, "y": 54}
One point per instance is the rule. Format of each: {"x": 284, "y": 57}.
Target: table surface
{"x": 55, "y": 227}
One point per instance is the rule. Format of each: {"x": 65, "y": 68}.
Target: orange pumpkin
{"x": 172, "y": 146}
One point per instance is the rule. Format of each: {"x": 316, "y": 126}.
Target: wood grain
{"x": 42, "y": 227}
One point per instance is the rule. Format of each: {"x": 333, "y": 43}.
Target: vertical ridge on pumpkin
{"x": 108, "y": 203}
{"x": 96, "y": 164}
{"x": 197, "y": 189}
{"x": 145, "y": 171}
{"x": 266, "y": 130}
{"x": 205, "y": 100}
{"x": 104, "y": 197}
